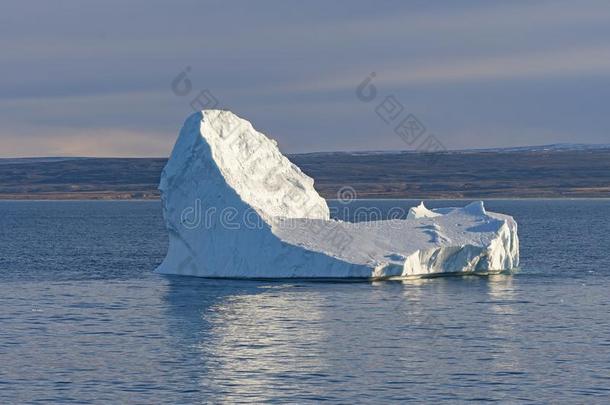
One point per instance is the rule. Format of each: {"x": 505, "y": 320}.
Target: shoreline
{"x": 22, "y": 198}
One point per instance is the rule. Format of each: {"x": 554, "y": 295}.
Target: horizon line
{"x": 556, "y": 146}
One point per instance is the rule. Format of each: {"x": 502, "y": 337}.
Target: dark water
{"x": 84, "y": 319}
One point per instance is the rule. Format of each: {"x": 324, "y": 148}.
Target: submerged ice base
{"x": 235, "y": 207}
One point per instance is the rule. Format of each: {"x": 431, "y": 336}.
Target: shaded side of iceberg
{"x": 235, "y": 207}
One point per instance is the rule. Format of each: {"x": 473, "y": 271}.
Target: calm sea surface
{"x": 83, "y": 318}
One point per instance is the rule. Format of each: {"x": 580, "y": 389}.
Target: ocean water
{"x": 83, "y": 318}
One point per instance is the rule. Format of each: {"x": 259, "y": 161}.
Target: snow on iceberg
{"x": 235, "y": 207}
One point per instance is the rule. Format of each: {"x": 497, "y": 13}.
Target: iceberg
{"x": 235, "y": 207}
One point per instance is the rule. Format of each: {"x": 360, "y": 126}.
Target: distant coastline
{"x": 554, "y": 171}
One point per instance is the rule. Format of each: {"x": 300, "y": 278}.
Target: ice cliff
{"x": 234, "y": 206}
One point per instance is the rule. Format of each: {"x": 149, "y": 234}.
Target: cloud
{"x": 563, "y": 63}
{"x": 99, "y": 142}
{"x": 75, "y": 72}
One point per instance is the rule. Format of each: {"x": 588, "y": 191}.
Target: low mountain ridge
{"x": 549, "y": 171}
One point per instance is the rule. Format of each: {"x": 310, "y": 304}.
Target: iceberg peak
{"x": 421, "y": 212}
{"x": 475, "y": 208}
{"x": 249, "y": 164}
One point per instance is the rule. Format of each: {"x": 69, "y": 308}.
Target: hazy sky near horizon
{"x": 95, "y": 78}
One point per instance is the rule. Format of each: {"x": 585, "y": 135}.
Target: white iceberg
{"x": 235, "y": 207}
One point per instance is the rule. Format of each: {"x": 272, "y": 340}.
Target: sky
{"x": 117, "y": 78}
